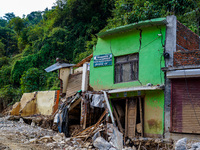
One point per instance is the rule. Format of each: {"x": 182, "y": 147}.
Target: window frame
{"x": 132, "y": 63}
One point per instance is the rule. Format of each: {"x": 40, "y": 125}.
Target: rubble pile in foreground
{"x": 93, "y": 140}
{"x": 32, "y": 134}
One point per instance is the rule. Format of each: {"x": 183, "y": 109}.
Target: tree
{"x": 32, "y": 80}
{"x": 9, "y": 41}
{"x": 9, "y": 16}
{"x": 17, "y": 24}
{"x": 34, "y": 17}
{"x": 3, "y": 22}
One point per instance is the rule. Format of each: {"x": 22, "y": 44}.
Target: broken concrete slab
{"x": 101, "y": 144}
{"x": 181, "y": 144}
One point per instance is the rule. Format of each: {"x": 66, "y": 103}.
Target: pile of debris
{"x": 184, "y": 144}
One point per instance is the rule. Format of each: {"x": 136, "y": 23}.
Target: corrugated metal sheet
{"x": 57, "y": 66}
{"x": 74, "y": 84}
{"x": 185, "y": 105}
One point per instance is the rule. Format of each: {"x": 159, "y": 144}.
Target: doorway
{"x": 129, "y": 114}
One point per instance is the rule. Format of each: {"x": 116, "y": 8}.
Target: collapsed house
{"x": 41, "y": 102}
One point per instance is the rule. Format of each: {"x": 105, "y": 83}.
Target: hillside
{"x": 28, "y": 45}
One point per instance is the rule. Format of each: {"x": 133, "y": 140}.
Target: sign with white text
{"x": 103, "y": 60}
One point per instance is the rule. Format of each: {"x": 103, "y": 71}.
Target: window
{"x": 126, "y": 68}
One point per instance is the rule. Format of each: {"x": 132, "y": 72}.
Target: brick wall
{"x": 186, "y": 40}
{"x": 187, "y": 47}
{"x": 187, "y": 58}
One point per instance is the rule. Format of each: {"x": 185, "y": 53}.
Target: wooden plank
{"x": 75, "y": 104}
{"x": 132, "y": 114}
{"x": 118, "y": 121}
{"x": 141, "y": 116}
{"x": 126, "y": 119}
{"x": 85, "y": 115}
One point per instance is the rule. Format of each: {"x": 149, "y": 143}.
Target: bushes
{"x": 9, "y": 95}
{"x": 32, "y": 80}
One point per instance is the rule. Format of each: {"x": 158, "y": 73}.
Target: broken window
{"x": 126, "y": 68}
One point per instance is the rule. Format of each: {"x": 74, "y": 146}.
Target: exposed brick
{"x": 186, "y": 40}
{"x": 187, "y": 58}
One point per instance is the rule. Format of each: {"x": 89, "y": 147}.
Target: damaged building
{"x": 142, "y": 78}
{"x": 150, "y": 71}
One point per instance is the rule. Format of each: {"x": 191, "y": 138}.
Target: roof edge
{"x": 151, "y": 22}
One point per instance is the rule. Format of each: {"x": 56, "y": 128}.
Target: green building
{"x": 127, "y": 63}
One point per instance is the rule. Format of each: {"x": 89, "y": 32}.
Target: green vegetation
{"x": 30, "y": 44}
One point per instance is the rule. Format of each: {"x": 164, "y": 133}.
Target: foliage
{"x": 32, "y": 80}
{"x": 5, "y": 75}
{"x": 17, "y": 24}
{"x": 3, "y": 22}
{"x": 9, "y": 16}
{"x": 130, "y": 11}
{"x": 4, "y": 61}
{"x": 9, "y": 41}
{"x": 9, "y": 94}
{"x": 30, "y": 44}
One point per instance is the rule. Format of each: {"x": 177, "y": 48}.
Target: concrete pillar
{"x": 170, "y": 47}
{"x": 84, "y": 86}
{"x": 64, "y": 76}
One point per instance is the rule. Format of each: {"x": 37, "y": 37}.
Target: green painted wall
{"x": 153, "y": 110}
{"x": 150, "y": 57}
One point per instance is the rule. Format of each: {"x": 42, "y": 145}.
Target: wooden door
{"x": 131, "y": 116}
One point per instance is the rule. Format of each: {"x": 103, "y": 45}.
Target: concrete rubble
{"x": 55, "y": 131}
{"x": 33, "y": 134}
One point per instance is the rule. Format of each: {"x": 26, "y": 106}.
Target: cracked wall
{"x": 144, "y": 41}
{"x": 149, "y": 43}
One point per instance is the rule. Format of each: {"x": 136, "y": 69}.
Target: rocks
{"x": 46, "y": 139}
{"x": 58, "y": 138}
{"x": 181, "y": 144}
{"x": 51, "y": 145}
{"x": 33, "y": 140}
{"x": 195, "y": 146}
{"x": 101, "y": 144}
{"x": 21, "y": 120}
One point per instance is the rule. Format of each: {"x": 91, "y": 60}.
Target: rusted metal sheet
{"x": 185, "y": 105}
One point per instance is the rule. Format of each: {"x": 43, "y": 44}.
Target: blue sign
{"x": 103, "y": 60}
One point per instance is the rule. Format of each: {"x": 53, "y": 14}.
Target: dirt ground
{"x": 16, "y": 135}
{"x": 12, "y": 141}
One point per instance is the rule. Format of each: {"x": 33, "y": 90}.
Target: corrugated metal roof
{"x": 152, "y": 22}
{"x": 57, "y": 66}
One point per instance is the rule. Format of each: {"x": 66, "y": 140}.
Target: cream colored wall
{"x": 64, "y": 76}
{"x": 25, "y": 98}
{"x": 45, "y": 102}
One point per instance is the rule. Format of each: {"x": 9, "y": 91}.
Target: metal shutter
{"x": 185, "y": 106}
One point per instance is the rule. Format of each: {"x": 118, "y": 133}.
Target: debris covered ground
{"x": 16, "y": 134}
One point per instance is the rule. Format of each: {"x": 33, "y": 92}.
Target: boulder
{"x": 181, "y": 144}
{"x": 101, "y": 144}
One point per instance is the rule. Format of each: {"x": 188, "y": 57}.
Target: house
{"x": 136, "y": 65}
{"x": 182, "y": 88}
